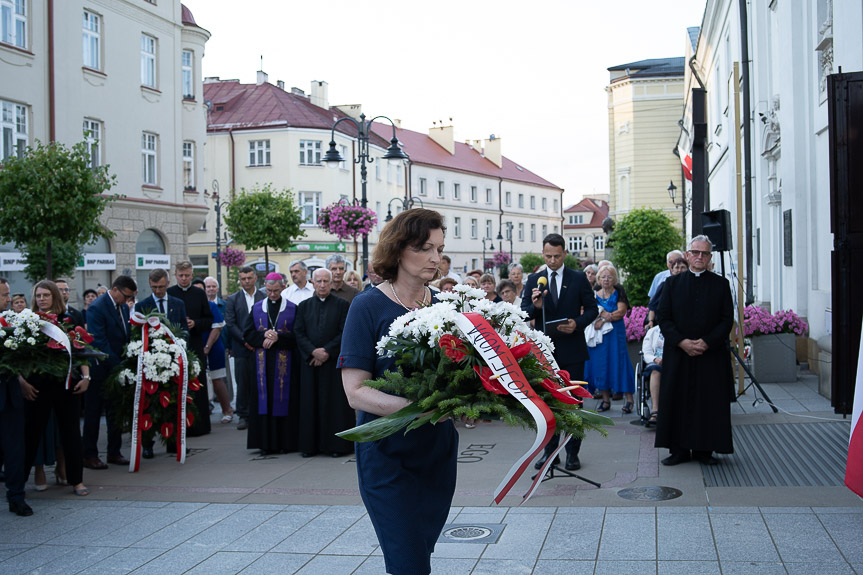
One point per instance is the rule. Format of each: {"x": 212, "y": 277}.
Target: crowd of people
{"x": 302, "y": 349}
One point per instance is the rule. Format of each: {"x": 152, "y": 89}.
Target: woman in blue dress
{"x": 406, "y": 481}
{"x": 609, "y": 368}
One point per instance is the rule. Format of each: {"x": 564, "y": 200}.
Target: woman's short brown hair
{"x": 58, "y": 306}
{"x": 410, "y": 228}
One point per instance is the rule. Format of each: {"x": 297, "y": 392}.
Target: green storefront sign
{"x": 319, "y": 247}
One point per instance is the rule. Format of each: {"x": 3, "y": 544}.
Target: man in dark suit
{"x": 570, "y": 297}
{"x": 12, "y": 430}
{"x": 199, "y": 319}
{"x": 75, "y": 314}
{"x": 237, "y": 309}
{"x": 108, "y": 322}
{"x": 170, "y": 306}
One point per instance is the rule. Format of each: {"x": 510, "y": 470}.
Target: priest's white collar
{"x": 697, "y": 274}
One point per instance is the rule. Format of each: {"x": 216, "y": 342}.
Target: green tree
{"x": 572, "y": 262}
{"x": 263, "y": 217}
{"x": 530, "y": 261}
{"x": 640, "y": 240}
{"x": 50, "y": 203}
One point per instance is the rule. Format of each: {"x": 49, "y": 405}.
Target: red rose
{"x": 164, "y": 398}
{"x": 166, "y": 430}
{"x": 146, "y": 421}
{"x": 492, "y": 385}
{"x": 453, "y": 347}
{"x": 522, "y": 350}
{"x": 67, "y": 319}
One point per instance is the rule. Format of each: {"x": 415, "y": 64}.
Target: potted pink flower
{"x": 774, "y": 346}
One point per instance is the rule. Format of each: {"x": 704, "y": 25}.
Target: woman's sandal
{"x": 81, "y": 492}
{"x": 654, "y": 415}
{"x": 604, "y": 406}
{"x": 627, "y": 407}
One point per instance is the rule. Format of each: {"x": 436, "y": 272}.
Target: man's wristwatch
{"x": 87, "y": 377}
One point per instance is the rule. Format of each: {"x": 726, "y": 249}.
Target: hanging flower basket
{"x": 232, "y": 258}
{"x": 347, "y": 221}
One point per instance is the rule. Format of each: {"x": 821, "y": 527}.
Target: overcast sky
{"x": 532, "y": 73}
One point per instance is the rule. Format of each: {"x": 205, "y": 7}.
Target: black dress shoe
{"x": 572, "y": 462}
{"x": 147, "y": 453}
{"x": 20, "y": 508}
{"x": 676, "y": 458}
{"x": 543, "y": 459}
{"x": 705, "y": 457}
{"x": 305, "y": 454}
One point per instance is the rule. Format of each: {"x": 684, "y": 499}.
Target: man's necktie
{"x": 553, "y": 288}
{"x": 122, "y": 319}
{"x": 161, "y": 303}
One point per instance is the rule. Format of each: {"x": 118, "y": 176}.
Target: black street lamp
{"x": 490, "y": 248}
{"x": 407, "y": 203}
{"x": 364, "y": 130}
{"x": 684, "y": 205}
{"x": 217, "y": 207}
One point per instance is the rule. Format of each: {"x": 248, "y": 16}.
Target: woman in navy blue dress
{"x": 406, "y": 481}
{"x": 609, "y": 368}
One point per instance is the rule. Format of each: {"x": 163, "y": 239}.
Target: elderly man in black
{"x": 324, "y": 409}
{"x": 695, "y": 315}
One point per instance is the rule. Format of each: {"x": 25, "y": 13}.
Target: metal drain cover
{"x": 650, "y": 493}
{"x": 471, "y": 533}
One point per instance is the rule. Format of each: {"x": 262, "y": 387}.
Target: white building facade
{"x": 125, "y": 76}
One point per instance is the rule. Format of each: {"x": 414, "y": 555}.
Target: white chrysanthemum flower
{"x": 31, "y": 341}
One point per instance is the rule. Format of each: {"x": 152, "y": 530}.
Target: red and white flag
{"x": 686, "y": 161}
{"x": 854, "y": 466}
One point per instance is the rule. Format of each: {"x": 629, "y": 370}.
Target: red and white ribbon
{"x": 60, "y": 337}
{"x": 503, "y": 364}
{"x": 148, "y": 323}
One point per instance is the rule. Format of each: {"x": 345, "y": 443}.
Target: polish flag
{"x": 854, "y": 467}
{"x": 686, "y": 160}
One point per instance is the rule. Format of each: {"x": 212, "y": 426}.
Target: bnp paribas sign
{"x": 97, "y": 262}
{"x": 152, "y": 261}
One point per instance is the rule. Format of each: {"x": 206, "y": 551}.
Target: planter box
{"x": 774, "y": 358}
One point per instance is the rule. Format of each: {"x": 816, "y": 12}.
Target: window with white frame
{"x": 456, "y": 227}
{"x": 533, "y": 232}
{"x": 400, "y": 171}
{"x": 378, "y": 171}
{"x": 555, "y": 230}
{"x": 573, "y": 245}
{"x": 149, "y": 151}
{"x": 488, "y": 229}
{"x": 521, "y": 232}
{"x": 441, "y": 193}
{"x": 148, "y": 61}
{"x": 533, "y": 202}
{"x": 13, "y": 22}
{"x": 188, "y": 165}
{"x": 91, "y": 29}
{"x": 423, "y": 187}
{"x": 13, "y": 124}
{"x": 473, "y": 228}
{"x": 187, "y": 74}
{"x": 554, "y": 203}
{"x": 93, "y": 139}
{"x": 544, "y": 230}
{"x": 599, "y": 243}
{"x": 508, "y": 199}
{"x": 473, "y": 194}
{"x": 310, "y": 204}
{"x": 576, "y": 219}
{"x": 343, "y": 150}
{"x": 521, "y": 201}
{"x": 259, "y": 152}
{"x": 488, "y": 196}
{"x": 310, "y": 152}
{"x": 456, "y": 191}
{"x": 545, "y": 204}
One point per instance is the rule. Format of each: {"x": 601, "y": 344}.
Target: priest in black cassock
{"x": 199, "y": 319}
{"x": 274, "y": 405}
{"x": 695, "y": 315}
{"x": 324, "y": 408}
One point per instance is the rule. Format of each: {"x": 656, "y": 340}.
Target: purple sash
{"x": 282, "y": 383}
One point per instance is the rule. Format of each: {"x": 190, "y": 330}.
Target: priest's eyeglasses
{"x": 701, "y": 253}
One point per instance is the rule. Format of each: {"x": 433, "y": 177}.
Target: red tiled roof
{"x": 423, "y": 150}
{"x": 587, "y": 205}
{"x": 187, "y": 18}
{"x": 239, "y": 106}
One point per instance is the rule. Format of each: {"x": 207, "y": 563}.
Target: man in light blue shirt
{"x": 670, "y": 258}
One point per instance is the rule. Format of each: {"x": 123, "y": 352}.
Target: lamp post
{"x": 217, "y": 207}
{"x": 490, "y": 248}
{"x": 509, "y": 237}
{"x": 593, "y": 241}
{"x": 364, "y": 130}
{"x": 407, "y": 203}
{"x": 672, "y": 189}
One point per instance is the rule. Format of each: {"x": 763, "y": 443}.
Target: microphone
{"x": 542, "y": 283}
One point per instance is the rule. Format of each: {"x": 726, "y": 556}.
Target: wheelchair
{"x": 642, "y": 394}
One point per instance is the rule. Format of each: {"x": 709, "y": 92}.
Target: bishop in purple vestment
{"x": 274, "y": 407}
